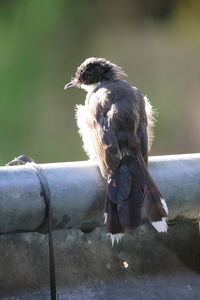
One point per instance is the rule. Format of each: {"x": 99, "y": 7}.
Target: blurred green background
{"x": 42, "y": 42}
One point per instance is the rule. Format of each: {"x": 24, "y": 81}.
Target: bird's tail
{"x": 154, "y": 203}
{"x": 131, "y": 187}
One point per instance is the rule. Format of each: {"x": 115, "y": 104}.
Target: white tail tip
{"x": 160, "y": 226}
{"x": 105, "y": 215}
{"x": 164, "y": 205}
{"x": 115, "y": 237}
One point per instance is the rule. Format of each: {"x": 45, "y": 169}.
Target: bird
{"x": 116, "y": 125}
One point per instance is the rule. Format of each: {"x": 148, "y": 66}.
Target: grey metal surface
{"x": 160, "y": 266}
{"x": 77, "y": 192}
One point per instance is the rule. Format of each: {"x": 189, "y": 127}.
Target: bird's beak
{"x": 70, "y": 84}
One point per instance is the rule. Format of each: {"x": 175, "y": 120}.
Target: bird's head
{"x": 93, "y": 71}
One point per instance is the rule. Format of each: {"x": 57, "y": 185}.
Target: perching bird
{"x": 116, "y": 127}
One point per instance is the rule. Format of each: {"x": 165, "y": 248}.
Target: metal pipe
{"x": 77, "y": 192}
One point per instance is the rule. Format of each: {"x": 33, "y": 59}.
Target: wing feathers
{"x": 119, "y": 185}
{"x": 107, "y": 148}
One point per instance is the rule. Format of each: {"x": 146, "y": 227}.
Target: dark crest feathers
{"x": 94, "y": 70}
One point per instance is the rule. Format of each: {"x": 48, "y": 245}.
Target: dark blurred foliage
{"x": 42, "y": 42}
